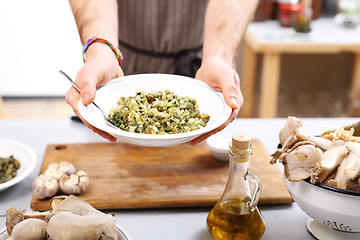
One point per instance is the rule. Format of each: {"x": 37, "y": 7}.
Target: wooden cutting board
{"x": 124, "y": 176}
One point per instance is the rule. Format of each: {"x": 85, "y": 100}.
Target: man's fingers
{"x": 98, "y": 131}
{"x": 88, "y": 89}
{"x": 86, "y": 80}
{"x": 221, "y": 127}
{"x": 101, "y": 133}
{"x": 231, "y": 92}
{"x": 72, "y": 98}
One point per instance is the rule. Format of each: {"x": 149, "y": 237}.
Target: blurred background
{"x": 39, "y": 37}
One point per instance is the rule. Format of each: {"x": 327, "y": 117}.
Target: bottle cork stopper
{"x": 241, "y": 141}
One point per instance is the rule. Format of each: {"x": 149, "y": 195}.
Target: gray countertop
{"x": 282, "y": 221}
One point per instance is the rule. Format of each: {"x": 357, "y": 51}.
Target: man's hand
{"x": 222, "y": 78}
{"x": 96, "y": 18}
{"x": 101, "y": 66}
{"x": 225, "y": 24}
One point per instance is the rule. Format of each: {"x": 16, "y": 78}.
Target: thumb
{"x": 87, "y": 88}
{"x": 231, "y": 92}
{"x": 88, "y": 93}
{"x": 198, "y": 74}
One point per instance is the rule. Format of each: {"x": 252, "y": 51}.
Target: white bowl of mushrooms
{"x": 70, "y": 218}
{"x": 322, "y": 174}
{"x": 334, "y": 207}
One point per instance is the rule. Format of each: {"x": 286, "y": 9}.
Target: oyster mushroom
{"x": 341, "y": 133}
{"x": 38, "y": 215}
{"x": 332, "y": 159}
{"x": 29, "y": 229}
{"x": 348, "y": 170}
{"x": 290, "y": 129}
{"x": 301, "y": 161}
{"x": 45, "y": 186}
{"x": 320, "y": 142}
{"x": 287, "y": 138}
{"x": 281, "y": 152}
{"x": 354, "y": 147}
{"x": 75, "y": 183}
{"x": 302, "y": 143}
{"x": 55, "y": 201}
{"x": 76, "y": 219}
{"x": 13, "y": 217}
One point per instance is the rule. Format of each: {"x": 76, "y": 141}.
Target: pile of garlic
{"x": 60, "y": 176}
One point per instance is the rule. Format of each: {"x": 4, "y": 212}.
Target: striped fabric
{"x": 162, "y": 26}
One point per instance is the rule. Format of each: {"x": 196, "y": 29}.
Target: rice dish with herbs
{"x": 160, "y": 112}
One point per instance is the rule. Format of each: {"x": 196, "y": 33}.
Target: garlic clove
{"x": 75, "y": 183}
{"x": 45, "y": 186}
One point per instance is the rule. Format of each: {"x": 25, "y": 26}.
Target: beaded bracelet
{"x": 90, "y": 41}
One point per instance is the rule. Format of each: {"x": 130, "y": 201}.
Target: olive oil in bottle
{"x": 229, "y": 221}
{"x": 236, "y": 216}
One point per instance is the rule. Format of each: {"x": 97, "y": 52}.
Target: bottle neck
{"x": 239, "y": 161}
{"x": 237, "y": 186}
{"x": 240, "y": 157}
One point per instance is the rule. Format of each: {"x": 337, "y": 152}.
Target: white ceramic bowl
{"x": 334, "y": 207}
{"x": 122, "y": 234}
{"x": 218, "y": 145}
{"x": 24, "y": 154}
{"x": 209, "y": 101}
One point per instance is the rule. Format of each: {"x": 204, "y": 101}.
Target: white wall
{"x": 37, "y": 39}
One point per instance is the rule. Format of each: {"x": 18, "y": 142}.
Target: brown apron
{"x": 161, "y": 36}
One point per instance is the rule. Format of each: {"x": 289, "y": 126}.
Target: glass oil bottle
{"x": 236, "y": 216}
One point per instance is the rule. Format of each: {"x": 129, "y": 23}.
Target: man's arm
{"x": 225, "y": 24}
{"x": 95, "y": 18}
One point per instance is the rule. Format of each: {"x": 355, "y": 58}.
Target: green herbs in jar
{"x": 159, "y": 112}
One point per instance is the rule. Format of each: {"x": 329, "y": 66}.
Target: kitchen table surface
{"x": 282, "y": 221}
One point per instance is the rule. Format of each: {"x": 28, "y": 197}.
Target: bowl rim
{"x": 120, "y": 230}
{"x": 89, "y": 109}
{"x": 332, "y": 188}
{"x": 32, "y": 163}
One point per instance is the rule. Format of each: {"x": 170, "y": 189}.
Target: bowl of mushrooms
{"x": 69, "y": 218}
{"x": 322, "y": 175}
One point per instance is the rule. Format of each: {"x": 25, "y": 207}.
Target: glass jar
{"x": 236, "y": 215}
{"x": 287, "y": 12}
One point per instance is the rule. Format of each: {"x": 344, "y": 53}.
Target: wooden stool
{"x": 271, "y": 40}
